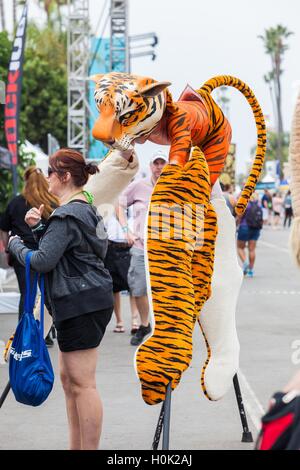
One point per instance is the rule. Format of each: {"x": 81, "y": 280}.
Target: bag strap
{"x": 30, "y": 293}
{"x": 42, "y": 289}
{"x": 31, "y": 296}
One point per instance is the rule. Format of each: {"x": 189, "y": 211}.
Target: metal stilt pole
{"x": 167, "y": 417}
{"x": 4, "y": 394}
{"x": 163, "y": 423}
{"x": 247, "y": 435}
{"x": 159, "y": 427}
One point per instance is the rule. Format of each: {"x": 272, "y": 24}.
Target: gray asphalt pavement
{"x": 268, "y": 324}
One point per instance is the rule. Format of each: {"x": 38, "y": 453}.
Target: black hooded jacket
{"x": 71, "y": 253}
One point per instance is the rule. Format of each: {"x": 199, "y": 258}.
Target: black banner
{"x": 13, "y": 93}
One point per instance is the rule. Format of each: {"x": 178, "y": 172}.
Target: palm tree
{"x": 51, "y": 5}
{"x": 275, "y": 47}
{"x": 2, "y": 15}
{"x": 14, "y": 6}
{"x": 223, "y": 100}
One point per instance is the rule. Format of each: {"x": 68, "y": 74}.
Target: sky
{"x": 200, "y": 39}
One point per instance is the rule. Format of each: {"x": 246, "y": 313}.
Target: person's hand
{"x": 34, "y": 215}
{"x": 11, "y": 238}
{"x": 131, "y": 238}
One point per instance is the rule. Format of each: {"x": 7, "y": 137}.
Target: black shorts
{"x": 83, "y": 332}
{"x": 117, "y": 262}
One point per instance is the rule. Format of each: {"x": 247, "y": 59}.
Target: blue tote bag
{"x": 30, "y": 369}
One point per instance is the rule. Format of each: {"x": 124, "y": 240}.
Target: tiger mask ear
{"x": 96, "y": 78}
{"x": 153, "y": 89}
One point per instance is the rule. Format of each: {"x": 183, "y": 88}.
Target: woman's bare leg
{"x": 72, "y": 413}
{"x": 117, "y": 307}
{"x": 251, "y": 247}
{"x": 241, "y": 250}
{"x": 80, "y": 385}
{"x": 134, "y": 311}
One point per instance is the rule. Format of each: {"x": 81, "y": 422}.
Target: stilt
{"x": 159, "y": 427}
{"x": 4, "y": 394}
{"x": 167, "y": 418}
{"x": 247, "y": 435}
{"x": 163, "y": 423}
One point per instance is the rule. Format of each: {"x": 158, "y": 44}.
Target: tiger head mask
{"x": 130, "y": 107}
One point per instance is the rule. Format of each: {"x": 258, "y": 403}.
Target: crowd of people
{"x": 266, "y": 210}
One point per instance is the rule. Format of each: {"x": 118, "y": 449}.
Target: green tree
{"x": 223, "y": 100}
{"x": 44, "y": 93}
{"x": 44, "y": 88}
{"x": 53, "y": 12}
{"x": 275, "y": 46}
{"x": 272, "y": 145}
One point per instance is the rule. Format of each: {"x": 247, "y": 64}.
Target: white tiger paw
{"x": 218, "y": 372}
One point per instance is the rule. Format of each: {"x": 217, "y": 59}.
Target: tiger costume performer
{"x": 135, "y": 109}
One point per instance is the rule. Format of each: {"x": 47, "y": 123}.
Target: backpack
{"x": 281, "y": 424}
{"x": 30, "y": 370}
{"x": 254, "y": 216}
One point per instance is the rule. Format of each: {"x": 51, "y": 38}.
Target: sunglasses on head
{"x": 51, "y": 170}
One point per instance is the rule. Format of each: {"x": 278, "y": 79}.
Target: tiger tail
{"x": 257, "y": 165}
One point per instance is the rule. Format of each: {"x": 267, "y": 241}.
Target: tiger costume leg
{"x": 217, "y": 318}
{"x": 167, "y": 353}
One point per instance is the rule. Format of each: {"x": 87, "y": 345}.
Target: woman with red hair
{"x": 71, "y": 251}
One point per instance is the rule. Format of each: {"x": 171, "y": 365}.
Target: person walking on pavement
{"x": 117, "y": 261}
{"x": 288, "y": 211}
{"x": 229, "y": 197}
{"x": 266, "y": 203}
{"x": 248, "y": 233}
{"x": 71, "y": 251}
{"x": 277, "y": 208}
{"x": 138, "y": 195}
{"x": 34, "y": 194}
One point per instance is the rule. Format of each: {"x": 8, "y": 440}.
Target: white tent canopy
{"x": 41, "y": 159}
{"x": 268, "y": 179}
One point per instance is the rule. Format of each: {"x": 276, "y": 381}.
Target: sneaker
{"x": 139, "y": 336}
{"x": 250, "y": 273}
{"x": 245, "y": 267}
{"x": 49, "y": 341}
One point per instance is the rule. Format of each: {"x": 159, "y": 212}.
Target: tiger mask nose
{"x": 106, "y": 128}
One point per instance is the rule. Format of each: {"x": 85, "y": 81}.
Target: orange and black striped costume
{"x": 135, "y": 109}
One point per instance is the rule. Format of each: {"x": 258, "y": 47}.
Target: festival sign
{"x": 13, "y": 94}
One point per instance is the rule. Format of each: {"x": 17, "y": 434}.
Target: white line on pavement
{"x": 253, "y": 406}
{"x": 271, "y": 245}
{"x": 271, "y": 292}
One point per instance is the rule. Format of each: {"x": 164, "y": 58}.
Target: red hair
{"x": 70, "y": 160}
{"x": 36, "y": 191}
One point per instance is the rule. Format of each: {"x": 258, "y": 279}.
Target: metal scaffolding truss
{"x": 119, "y": 48}
{"x": 78, "y": 59}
